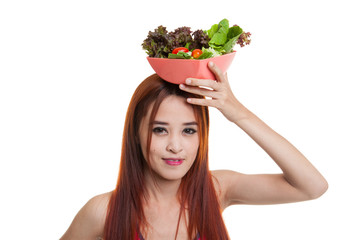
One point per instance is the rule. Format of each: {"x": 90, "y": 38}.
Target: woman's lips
{"x": 173, "y": 161}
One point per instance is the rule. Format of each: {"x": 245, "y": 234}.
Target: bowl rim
{"x": 179, "y": 59}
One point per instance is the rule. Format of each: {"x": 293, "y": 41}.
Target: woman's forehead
{"x": 175, "y": 108}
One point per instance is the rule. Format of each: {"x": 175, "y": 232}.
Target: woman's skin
{"x": 175, "y": 137}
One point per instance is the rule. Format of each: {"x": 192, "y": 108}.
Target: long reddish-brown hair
{"x": 196, "y": 194}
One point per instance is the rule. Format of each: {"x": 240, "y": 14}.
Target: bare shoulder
{"x": 98, "y": 204}
{"x": 223, "y": 177}
{"x": 90, "y": 220}
{"x": 221, "y": 180}
{"x": 239, "y": 188}
{"x": 96, "y": 208}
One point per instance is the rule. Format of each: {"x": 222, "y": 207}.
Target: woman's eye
{"x": 189, "y": 131}
{"x": 159, "y": 130}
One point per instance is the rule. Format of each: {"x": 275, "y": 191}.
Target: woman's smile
{"x": 173, "y": 161}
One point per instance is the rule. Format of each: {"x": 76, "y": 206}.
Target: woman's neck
{"x": 161, "y": 190}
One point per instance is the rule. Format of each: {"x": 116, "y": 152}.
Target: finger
{"x": 199, "y": 91}
{"x": 201, "y": 102}
{"x": 203, "y": 83}
{"x": 220, "y": 76}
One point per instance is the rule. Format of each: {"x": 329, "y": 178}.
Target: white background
{"x": 69, "y": 68}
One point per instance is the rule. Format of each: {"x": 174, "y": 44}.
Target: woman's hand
{"x": 218, "y": 94}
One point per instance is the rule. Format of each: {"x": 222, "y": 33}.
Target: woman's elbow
{"x": 318, "y": 189}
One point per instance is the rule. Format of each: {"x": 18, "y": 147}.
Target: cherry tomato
{"x": 196, "y": 53}
{"x": 180, "y": 49}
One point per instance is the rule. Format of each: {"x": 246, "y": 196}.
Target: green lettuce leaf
{"x": 209, "y": 53}
{"x": 220, "y": 37}
{"x": 212, "y": 30}
{"x": 205, "y": 54}
{"x": 179, "y": 55}
{"x": 228, "y": 46}
{"x": 234, "y": 31}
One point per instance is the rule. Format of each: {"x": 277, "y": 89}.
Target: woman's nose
{"x": 174, "y": 145}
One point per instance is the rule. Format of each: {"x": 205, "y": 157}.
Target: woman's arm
{"x": 299, "y": 181}
{"x": 89, "y": 223}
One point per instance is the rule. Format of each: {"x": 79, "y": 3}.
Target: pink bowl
{"x": 177, "y": 70}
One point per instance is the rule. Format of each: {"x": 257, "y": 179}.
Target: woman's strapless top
{"x": 140, "y": 237}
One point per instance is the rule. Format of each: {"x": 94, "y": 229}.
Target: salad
{"x": 182, "y": 43}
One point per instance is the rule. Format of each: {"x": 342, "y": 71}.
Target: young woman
{"x": 165, "y": 189}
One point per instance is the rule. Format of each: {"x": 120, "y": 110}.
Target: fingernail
{"x": 182, "y": 86}
{"x": 211, "y": 64}
{"x": 188, "y": 99}
{"x": 188, "y": 81}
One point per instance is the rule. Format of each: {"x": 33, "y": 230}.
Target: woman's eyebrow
{"x": 160, "y": 123}
{"x": 165, "y": 123}
{"x": 190, "y": 123}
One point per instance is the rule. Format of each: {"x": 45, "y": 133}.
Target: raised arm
{"x": 299, "y": 181}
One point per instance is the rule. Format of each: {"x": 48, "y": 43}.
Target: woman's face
{"x": 175, "y": 141}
